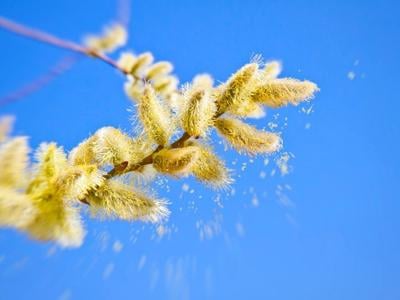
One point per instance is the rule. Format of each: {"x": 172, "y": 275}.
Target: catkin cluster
{"x": 45, "y": 198}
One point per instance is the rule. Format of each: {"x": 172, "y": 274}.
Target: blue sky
{"x": 328, "y": 230}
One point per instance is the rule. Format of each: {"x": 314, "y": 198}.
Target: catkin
{"x": 76, "y": 182}
{"x": 155, "y": 117}
{"x": 271, "y": 70}
{"x": 177, "y": 161}
{"x": 236, "y": 90}
{"x": 16, "y": 209}
{"x": 198, "y": 113}
{"x": 112, "y": 38}
{"x": 158, "y": 69}
{"x": 13, "y": 162}
{"x": 111, "y": 146}
{"x": 117, "y": 200}
{"x": 83, "y": 153}
{"x": 209, "y": 168}
{"x": 142, "y": 62}
{"x": 56, "y": 219}
{"x": 280, "y": 92}
{"x": 247, "y": 139}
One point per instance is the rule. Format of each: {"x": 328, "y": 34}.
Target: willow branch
{"x": 50, "y": 39}
{"x": 64, "y": 64}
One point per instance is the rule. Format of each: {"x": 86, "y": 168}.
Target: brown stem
{"x": 47, "y": 38}
{"x": 179, "y": 142}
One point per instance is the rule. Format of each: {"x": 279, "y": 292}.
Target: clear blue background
{"x": 338, "y": 235}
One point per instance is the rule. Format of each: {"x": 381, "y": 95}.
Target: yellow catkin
{"x": 117, "y": 200}
{"x": 246, "y": 138}
{"x": 140, "y": 147}
{"x": 198, "y": 112}
{"x": 158, "y": 69}
{"x": 142, "y": 62}
{"x": 271, "y": 70}
{"x": 13, "y": 162}
{"x": 155, "y": 117}
{"x": 177, "y": 161}
{"x": 249, "y": 109}
{"x": 77, "y": 181}
{"x": 134, "y": 89}
{"x": 165, "y": 85}
{"x": 83, "y": 153}
{"x": 6, "y": 125}
{"x": 56, "y": 218}
{"x": 16, "y": 209}
{"x": 209, "y": 168}
{"x": 58, "y": 223}
{"x": 113, "y": 37}
{"x": 203, "y": 81}
{"x": 111, "y": 146}
{"x": 281, "y": 92}
{"x": 237, "y": 88}
{"x": 126, "y": 61}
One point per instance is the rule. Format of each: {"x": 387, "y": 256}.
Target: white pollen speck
{"x": 142, "y": 262}
{"x": 254, "y": 201}
{"x": 66, "y": 295}
{"x": 263, "y": 175}
{"x": 185, "y": 187}
{"x": 307, "y": 126}
{"x": 108, "y": 271}
{"x": 117, "y": 246}
{"x": 240, "y": 229}
{"x": 161, "y": 230}
{"x": 351, "y": 75}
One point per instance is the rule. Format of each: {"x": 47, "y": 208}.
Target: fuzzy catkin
{"x": 141, "y": 63}
{"x": 56, "y": 219}
{"x": 111, "y": 146}
{"x": 246, "y": 138}
{"x": 248, "y": 109}
{"x": 271, "y": 70}
{"x": 83, "y": 153}
{"x": 14, "y": 162}
{"x": 280, "y": 92}
{"x": 177, "y": 161}
{"x": 209, "y": 168}
{"x": 78, "y": 181}
{"x": 16, "y": 209}
{"x": 158, "y": 69}
{"x": 155, "y": 117}
{"x": 117, "y": 200}
{"x": 198, "y": 113}
{"x": 113, "y": 37}
{"x": 237, "y": 88}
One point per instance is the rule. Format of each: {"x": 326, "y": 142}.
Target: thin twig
{"x": 63, "y": 65}
{"x": 49, "y": 39}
